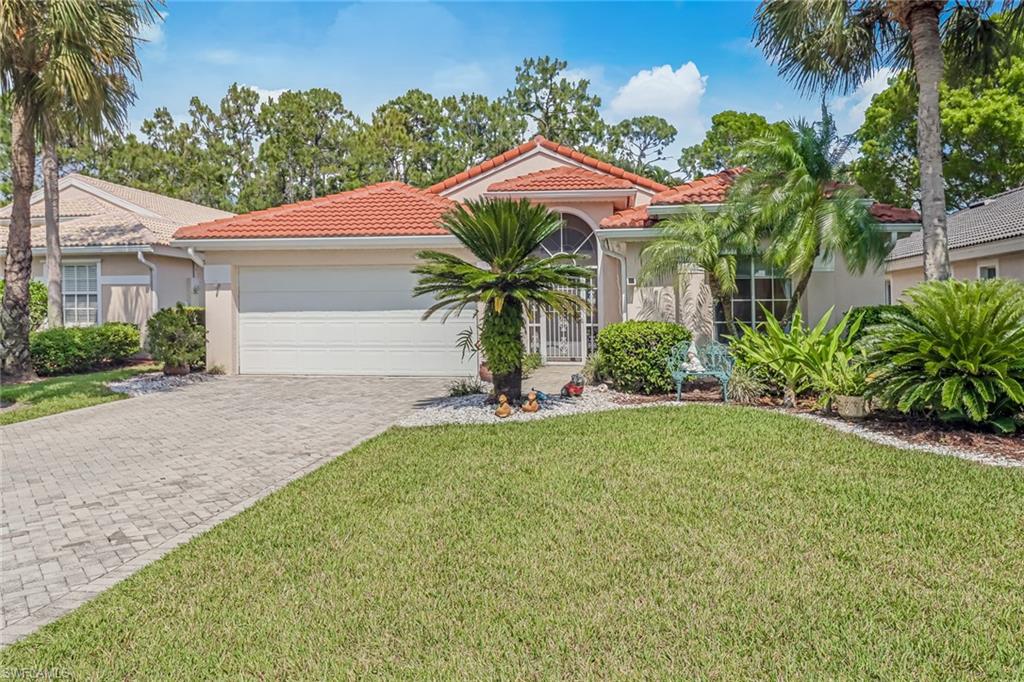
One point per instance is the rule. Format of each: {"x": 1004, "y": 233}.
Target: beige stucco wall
{"x": 131, "y": 301}
{"x": 840, "y": 289}
{"x": 905, "y": 273}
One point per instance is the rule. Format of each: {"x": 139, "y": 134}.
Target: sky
{"x": 684, "y": 61}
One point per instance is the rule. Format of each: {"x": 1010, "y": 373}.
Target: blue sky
{"x": 681, "y": 60}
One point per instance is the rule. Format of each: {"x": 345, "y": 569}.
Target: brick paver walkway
{"x": 89, "y": 497}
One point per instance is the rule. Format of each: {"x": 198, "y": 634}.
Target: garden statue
{"x": 573, "y": 389}
{"x": 504, "y": 409}
{"x": 693, "y": 363}
{"x": 531, "y": 404}
{"x": 541, "y": 395}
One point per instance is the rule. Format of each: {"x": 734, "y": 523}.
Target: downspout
{"x": 153, "y": 301}
{"x": 198, "y": 261}
{"x": 623, "y": 308}
{"x": 196, "y": 258}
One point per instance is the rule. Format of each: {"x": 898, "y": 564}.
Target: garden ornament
{"x": 531, "y": 404}
{"x": 504, "y": 409}
{"x": 693, "y": 363}
{"x": 573, "y": 389}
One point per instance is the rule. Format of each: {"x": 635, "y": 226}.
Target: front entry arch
{"x": 557, "y": 337}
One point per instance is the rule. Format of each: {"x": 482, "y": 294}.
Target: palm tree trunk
{"x": 923, "y": 22}
{"x": 725, "y": 300}
{"x": 794, "y": 299}
{"x": 677, "y": 296}
{"x": 15, "y": 361}
{"x": 51, "y": 201}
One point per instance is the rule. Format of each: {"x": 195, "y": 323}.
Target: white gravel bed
{"x": 156, "y": 382}
{"x": 473, "y": 410}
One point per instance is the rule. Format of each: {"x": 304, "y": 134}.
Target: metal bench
{"x": 713, "y": 356}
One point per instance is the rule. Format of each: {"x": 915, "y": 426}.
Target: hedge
{"x": 873, "y": 314}
{"x": 37, "y": 303}
{"x": 68, "y": 350}
{"x": 177, "y": 336}
{"x": 634, "y": 355}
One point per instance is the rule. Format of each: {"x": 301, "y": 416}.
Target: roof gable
{"x": 540, "y": 143}
{"x": 561, "y": 179}
{"x": 382, "y": 210}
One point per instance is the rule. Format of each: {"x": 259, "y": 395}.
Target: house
{"x": 118, "y": 262}
{"x": 986, "y": 240}
{"x": 324, "y": 286}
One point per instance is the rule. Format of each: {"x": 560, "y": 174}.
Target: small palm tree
{"x": 835, "y": 45}
{"x": 56, "y": 56}
{"x": 710, "y": 241}
{"x": 793, "y": 197}
{"x": 504, "y": 235}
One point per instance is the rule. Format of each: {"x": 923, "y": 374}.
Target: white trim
{"x": 278, "y": 243}
{"x": 989, "y": 263}
{"x": 124, "y": 280}
{"x": 569, "y": 195}
{"x": 669, "y": 209}
{"x": 629, "y": 232}
{"x": 98, "y": 262}
{"x": 154, "y": 301}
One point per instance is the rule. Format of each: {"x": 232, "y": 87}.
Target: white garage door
{"x": 343, "y": 320}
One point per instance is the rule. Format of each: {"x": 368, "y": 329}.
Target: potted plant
{"x": 842, "y": 383}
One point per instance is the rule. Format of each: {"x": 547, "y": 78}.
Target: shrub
{"x": 745, "y": 387}
{"x": 461, "y": 387}
{"x": 804, "y": 358}
{"x": 531, "y": 361}
{"x": 957, "y": 354}
{"x": 37, "y": 303}
{"x": 66, "y": 350}
{"x": 635, "y": 354}
{"x": 177, "y": 337}
{"x": 594, "y": 370}
{"x": 873, "y": 314}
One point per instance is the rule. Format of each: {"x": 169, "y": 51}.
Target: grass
{"x": 695, "y": 542}
{"x": 63, "y": 393}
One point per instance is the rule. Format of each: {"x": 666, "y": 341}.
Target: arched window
{"x": 574, "y": 237}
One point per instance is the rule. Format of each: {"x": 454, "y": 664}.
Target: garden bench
{"x": 713, "y": 356}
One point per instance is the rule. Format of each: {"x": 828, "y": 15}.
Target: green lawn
{"x": 703, "y": 541}
{"x": 60, "y": 394}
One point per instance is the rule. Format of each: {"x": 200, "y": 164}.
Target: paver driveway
{"x": 90, "y": 496}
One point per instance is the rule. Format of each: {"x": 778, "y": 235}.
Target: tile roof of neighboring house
{"x": 710, "y": 189}
{"x": 887, "y": 213}
{"x": 540, "y": 141}
{"x": 115, "y": 215}
{"x": 998, "y": 217}
{"x": 384, "y": 209}
{"x": 630, "y": 217}
{"x": 563, "y": 178}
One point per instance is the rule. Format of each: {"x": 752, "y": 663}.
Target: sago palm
{"x": 793, "y": 197}
{"x": 836, "y": 45}
{"x": 708, "y": 240}
{"x": 56, "y": 56}
{"x": 504, "y": 235}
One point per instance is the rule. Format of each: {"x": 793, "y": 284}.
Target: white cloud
{"x": 153, "y": 39}
{"x": 850, "y": 109}
{"x": 220, "y": 56}
{"x": 460, "y": 78}
{"x": 673, "y": 94}
{"x": 265, "y": 94}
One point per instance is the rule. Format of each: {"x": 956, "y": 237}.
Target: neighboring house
{"x": 986, "y": 240}
{"x": 324, "y": 286}
{"x": 118, "y": 264}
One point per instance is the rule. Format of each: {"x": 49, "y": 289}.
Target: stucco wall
{"x": 841, "y": 289}
{"x": 909, "y": 271}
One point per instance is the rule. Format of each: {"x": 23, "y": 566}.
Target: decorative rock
{"x": 156, "y": 382}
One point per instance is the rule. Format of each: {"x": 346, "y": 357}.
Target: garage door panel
{"x": 320, "y": 323}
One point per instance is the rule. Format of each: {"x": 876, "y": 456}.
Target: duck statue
{"x": 504, "y": 409}
{"x": 531, "y": 404}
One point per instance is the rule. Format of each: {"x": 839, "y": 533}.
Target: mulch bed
{"x": 910, "y": 429}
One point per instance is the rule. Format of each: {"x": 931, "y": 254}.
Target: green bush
{"x": 531, "y": 362}
{"x": 634, "y": 354}
{"x": 875, "y": 314}
{"x": 68, "y": 350}
{"x": 957, "y": 354}
{"x": 594, "y": 371}
{"x": 37, "y": 302}
{"x": 177, "y": 337}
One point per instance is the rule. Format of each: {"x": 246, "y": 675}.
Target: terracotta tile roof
{"x": 710, "y": 189}
{"x": 561, "y": 179}
{"x": 887, "y": 213}
{"x": 631, "y": 217}
{"x": 384, "y": 209}
{"x": 540, "y": 141}
{"x": 995, "y": 218}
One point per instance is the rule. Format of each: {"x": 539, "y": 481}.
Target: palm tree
{"x": 504, "y": 235}
{"x": 709, "y": 240}
{"x": 793, "y": 197}
{"x": 57, "y": 55}
{"x": 835, "y": 45}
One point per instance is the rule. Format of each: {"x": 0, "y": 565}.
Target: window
{"x": 81, "y": 294}
{"x": 988, "y": 270}
{"x": 757, "y": 284}
{"x": 887, "y": 299}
